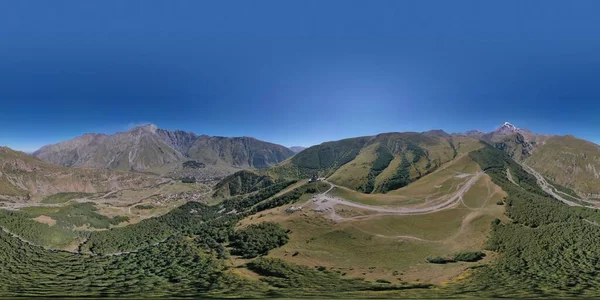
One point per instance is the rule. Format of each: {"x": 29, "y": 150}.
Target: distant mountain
{"x": 474, "y": 133}
{"x": 297, "y": 149}
{"x": 565, "y": 160}
{"x": 150, "y": 149}
{"x": 23, "y": 176}
{"x": 518, "y": 143}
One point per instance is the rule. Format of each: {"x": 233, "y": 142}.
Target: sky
{"x": 296, "y": 72}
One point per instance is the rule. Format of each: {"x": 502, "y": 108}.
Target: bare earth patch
{"x": 45, "y": 220}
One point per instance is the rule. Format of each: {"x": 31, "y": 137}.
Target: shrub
{"x": 258, "y": 239}
{"x": 469, "y": 256}
{"x": 438, "y": 260}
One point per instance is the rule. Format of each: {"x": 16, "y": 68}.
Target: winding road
{"x": 554, "y": 192}
{"x": 327, "y": 203}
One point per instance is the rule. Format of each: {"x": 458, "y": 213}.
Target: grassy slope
{"x": 378, "y": 163}
{"x": 569, "y": 161}
{"x": 323, "y": 159}
{"x": 370, "y": 247}
{"x": 546, "y": 249}
{"x": 241, "y": 182}
{"x": 354, "y": 174}
{"x": 441, "y": 182}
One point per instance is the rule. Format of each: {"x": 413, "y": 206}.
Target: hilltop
{"x": 376, "y": 164}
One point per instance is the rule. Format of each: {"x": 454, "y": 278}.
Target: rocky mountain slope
{"x": 518, "y": 143}
{"x": 150, "y": 149}
{"x": 23, "y": 176}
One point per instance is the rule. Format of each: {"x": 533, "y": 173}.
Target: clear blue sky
{"x": 296, "y": 72}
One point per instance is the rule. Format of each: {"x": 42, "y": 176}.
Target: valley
{"x": 129, "y": 206}
{"x": 398, "y": 214}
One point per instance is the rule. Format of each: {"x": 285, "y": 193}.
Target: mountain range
{"x": 513, "y": 225}
{"x": 388, "y": 161}
{"x": 370, "y": 164}
{"x": 150, "y": 149}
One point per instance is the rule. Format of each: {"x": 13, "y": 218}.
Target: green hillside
{"x": 569, "y": 161}
{"x": 540, "y": 248}
{"x": 548, "y": 249}
{"x": 241, "y": 182}
{"x": 376, "y": 164}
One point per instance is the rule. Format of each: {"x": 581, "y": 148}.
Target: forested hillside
{"x": 241, "y": 182}
{"x": 549, "y": 248}
{"x": 179, "y": 254}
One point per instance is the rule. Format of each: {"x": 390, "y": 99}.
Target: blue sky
{"x": 296, "y": 72}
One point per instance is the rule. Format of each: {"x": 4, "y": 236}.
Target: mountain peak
{"x": 151, "y": 128}
{"x": 507, "y": 128}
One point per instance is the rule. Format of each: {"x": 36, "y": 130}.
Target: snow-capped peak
{"x": 507, "y": 128}
{"x": 506, "y": 124}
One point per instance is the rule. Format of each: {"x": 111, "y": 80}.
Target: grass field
{"x": 390, "y": 247}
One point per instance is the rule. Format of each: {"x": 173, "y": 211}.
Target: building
{"x": 314, "y": 178}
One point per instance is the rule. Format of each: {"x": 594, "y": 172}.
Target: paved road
{"x": 326, "y": 202}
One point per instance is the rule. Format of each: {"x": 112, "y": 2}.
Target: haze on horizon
{"x": 296, "y": 72}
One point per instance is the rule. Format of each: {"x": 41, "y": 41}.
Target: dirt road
{"x": 327, "y": 203}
